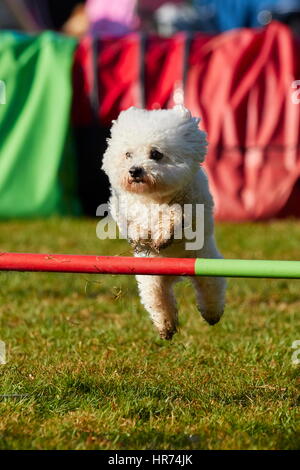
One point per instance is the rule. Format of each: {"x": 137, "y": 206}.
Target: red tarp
{"x": 239, "y": 82}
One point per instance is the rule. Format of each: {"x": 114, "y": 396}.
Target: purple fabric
{"x": 112, "y": 17}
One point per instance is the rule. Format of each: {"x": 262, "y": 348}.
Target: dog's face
{"x": 154, "y": 151}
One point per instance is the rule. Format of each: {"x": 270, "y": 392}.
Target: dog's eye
{"x": 128, "y": 155}
{"x": 156, "y": 155}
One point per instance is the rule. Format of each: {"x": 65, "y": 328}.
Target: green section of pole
{"x": 247, "y": 268}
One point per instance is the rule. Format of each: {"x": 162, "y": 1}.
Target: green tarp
{"x": 37, "y": 161}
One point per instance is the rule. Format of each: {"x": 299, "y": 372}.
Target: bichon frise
{"x": 153, "y": 164}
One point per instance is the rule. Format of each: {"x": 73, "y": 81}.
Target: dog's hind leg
{"x": 210, "y": 295}
{"x": 157, "y": 296}
{"x": 210, "y": 291}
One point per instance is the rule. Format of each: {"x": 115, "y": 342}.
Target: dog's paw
{"x": 212, "y": 316}
{"x": 139, "y": 245}
{"x": 161, "y": 242}
{"x": 167, "y": 331}
{"x": 167, "y": 334}
{"x": 135, "y": 244}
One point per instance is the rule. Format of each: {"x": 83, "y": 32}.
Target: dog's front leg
{"x": 158, "y": 298}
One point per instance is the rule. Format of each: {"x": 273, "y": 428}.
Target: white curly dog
{"x": 153, "y": 161}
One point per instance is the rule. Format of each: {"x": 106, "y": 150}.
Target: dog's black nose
{"x": 135, "y": 171}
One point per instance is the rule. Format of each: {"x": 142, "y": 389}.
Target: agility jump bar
{"x": 89, "y": 264}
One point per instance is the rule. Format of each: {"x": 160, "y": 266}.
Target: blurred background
{"x": 150, "y": 16}
{"x": 68, "y": 68}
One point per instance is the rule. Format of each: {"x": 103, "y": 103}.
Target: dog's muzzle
{"x": 136, "y": 173}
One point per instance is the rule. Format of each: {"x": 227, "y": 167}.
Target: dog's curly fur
{"x": 165, "y": 148}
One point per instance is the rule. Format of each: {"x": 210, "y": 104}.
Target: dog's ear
{"x": 184, "y": 112}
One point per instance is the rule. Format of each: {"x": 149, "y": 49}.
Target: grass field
{"x": 91, "y": 373}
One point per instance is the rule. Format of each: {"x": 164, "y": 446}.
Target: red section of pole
{"x": 96, "y": 264}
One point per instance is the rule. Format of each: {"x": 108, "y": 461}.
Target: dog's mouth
{"x": 137, "y": 179}
{"x": 139, "y": 184}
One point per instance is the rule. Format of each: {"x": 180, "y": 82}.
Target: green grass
{"x": 92, "y": 373}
